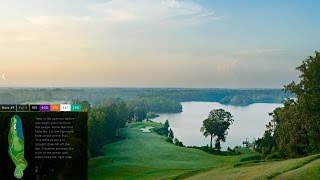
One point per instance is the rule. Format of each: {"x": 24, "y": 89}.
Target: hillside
{"x": 300, "y": 168}
{"x": 148, "y": 156}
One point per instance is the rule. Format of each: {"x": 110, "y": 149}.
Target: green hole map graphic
{"x": 16, "y": 146}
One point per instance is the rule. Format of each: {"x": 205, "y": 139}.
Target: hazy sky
{"x": 156, "y": 43}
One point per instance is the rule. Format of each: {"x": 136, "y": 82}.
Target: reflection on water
{"x": 249, "y": 122}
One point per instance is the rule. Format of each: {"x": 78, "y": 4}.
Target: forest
{"x": 145, "y": 96}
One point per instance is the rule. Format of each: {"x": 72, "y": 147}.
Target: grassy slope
{"x": 149, "y": 156}
{"x": 309, "y": 171}
{"x": 305, "y": 168}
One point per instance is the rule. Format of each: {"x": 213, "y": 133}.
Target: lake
{"x": 249, "y": 122}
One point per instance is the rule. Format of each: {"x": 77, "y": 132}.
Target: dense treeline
{"x": 154, "y": 104}
{"x": 104, "y": 124}
{"x": 295, "y": 128}
{"x": 224, "y": 96}
{"x": 140, "y": 108}
{"x": 95, "y": 95}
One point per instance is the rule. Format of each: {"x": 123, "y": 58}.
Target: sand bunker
{"x": 146, "y": 129}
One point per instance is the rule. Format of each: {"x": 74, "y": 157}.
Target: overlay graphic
{"x": 16, "y": 146}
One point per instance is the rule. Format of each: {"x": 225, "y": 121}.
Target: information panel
{"x": 42, "y": 142}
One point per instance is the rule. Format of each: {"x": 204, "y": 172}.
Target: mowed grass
{"x": 149, "y": 156}
{"x": 300, "y": 168}
{"x": 309, "y": 171}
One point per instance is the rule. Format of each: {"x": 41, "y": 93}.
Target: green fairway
{"x": 148, "y": 156}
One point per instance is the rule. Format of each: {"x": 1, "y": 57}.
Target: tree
{"x": 177, "y": 142}
{"x": 294, "y": 129}
{"x": 96, "y": 134}
{"x": 171, "y": 135}
{"x": 164, "y": 131}
{"x": 140, "y": 114}
{"x": 122, "y": 113}
{"x": 265, "y": 144}
{"x": 104, "y": 124}
{"x": 166, "y": 127}
{"x": 308, "y": 101}
{"x": 216, "y": 125}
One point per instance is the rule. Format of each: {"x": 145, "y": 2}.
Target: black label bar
{"x": 22, "y": 107}
{"x": 34, "y": 108}
{"x": 8, "y": 108}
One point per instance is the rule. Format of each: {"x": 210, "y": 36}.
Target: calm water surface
{"x": 249, "y": 122}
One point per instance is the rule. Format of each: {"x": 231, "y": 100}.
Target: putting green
{"x": 16, "y": 146}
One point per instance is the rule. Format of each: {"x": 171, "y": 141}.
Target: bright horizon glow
{"x": 155, "y": 43}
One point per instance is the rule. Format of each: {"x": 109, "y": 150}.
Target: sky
{"x": 155, "y": 43}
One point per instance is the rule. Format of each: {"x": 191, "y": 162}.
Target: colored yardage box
{"x": 23, "y": 107}
{"x": 76, "y": 108}
{"x": 44, "y": 108}
{"x": 34, "y": 108}
{"x": 55, "y": 107}
{"x": 65, "y": 107}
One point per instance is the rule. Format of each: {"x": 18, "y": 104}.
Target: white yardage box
{"x": 65, "y": 107}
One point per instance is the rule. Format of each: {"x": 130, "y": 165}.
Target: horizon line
{"x": 132, "y": 87}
